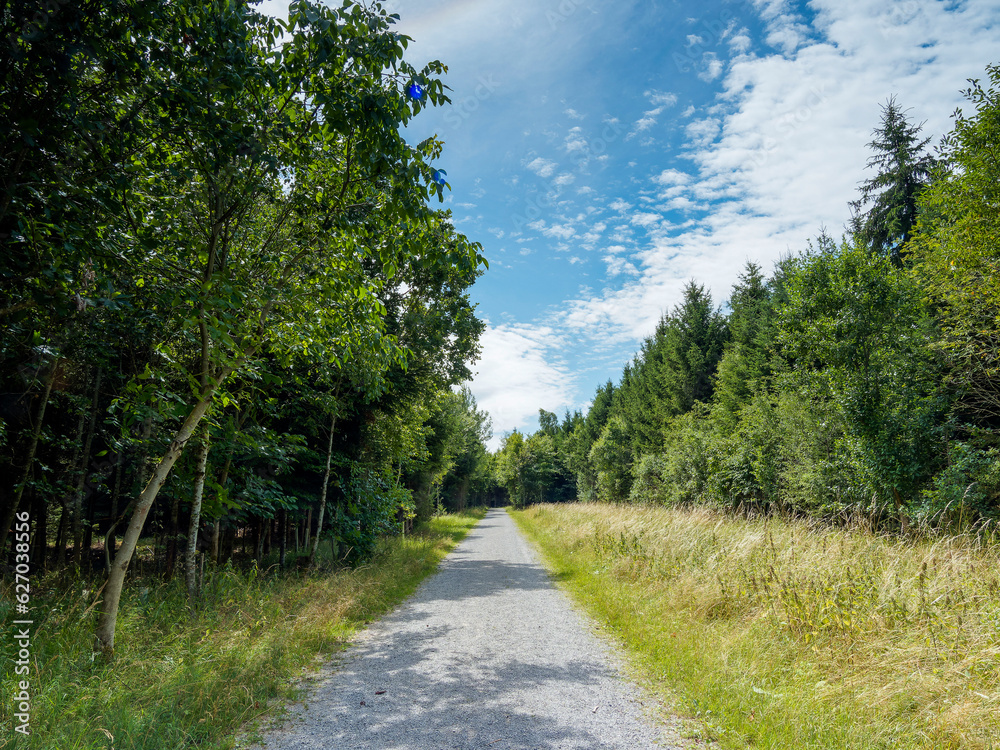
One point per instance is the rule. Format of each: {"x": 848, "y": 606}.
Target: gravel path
{"x": 487, "y": 654}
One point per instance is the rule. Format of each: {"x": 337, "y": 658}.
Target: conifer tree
{"x": 903, "y": 169}
{"x": 694, "y": 338}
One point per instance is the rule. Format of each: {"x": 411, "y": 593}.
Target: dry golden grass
{"x": 787, "y": 634}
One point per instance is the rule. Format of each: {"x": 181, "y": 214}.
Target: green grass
{"x": 183, "y": 682}
{"x": 782, "y": 634}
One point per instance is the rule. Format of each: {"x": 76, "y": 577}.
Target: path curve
{"x": 487, "y": 654}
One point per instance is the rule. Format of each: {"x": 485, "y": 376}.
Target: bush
{"x": 969, "y": 486}
{"x": 649, "y": 485}
{"x": 372, "y": 506}
{"x": 688, "y": 457}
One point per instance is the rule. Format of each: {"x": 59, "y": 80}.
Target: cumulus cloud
{"x": 646, "y": 219}
{"x": 519, "y": 370}
{"x": 671, "y": 177}
{"x": 740, "y": 42}
{"x": 575, "y": 142}
{"x": 618, "y": 266}
{"x": 713, "y": 67}
{"x": 660, "y": 98}
{"x": 542, "y": 167}
{"x": 561, "y": 231}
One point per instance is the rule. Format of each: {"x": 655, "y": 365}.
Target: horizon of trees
{"x": 860, "y": 379}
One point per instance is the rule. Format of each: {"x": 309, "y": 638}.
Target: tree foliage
{"x": 213, "y": 228}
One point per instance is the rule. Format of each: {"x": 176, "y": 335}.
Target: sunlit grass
{"x": 783, "y": 634}
{"x": 179, "y": 681}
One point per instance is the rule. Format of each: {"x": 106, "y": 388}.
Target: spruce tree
{"x": 886, "y": 212}
{"x": 694, "y": 338}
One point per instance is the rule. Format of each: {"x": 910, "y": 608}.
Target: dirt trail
{"x": 487, "y": 654}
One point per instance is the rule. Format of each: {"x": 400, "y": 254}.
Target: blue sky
{"x": 605, "y": 152}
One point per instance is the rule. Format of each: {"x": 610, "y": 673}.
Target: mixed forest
{"x": 858, "y": 380}
{"x": 233, "y": 325}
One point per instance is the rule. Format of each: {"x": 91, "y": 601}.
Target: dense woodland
{"x": 858, "y": 380}
{"x": 233, "y": 325}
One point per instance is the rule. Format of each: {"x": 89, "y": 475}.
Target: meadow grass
{"x": 183, "y": 681}
{"x": 777, "y": 633}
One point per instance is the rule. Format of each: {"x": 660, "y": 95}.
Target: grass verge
{"x": 179, "y": 681}
{"x": 784, "y": 634}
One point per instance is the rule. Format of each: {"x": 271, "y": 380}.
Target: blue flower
{"x": 416, "y": 91}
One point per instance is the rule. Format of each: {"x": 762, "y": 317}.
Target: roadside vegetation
{"x": 179, "y": 681}
{"x": 780, "y": 633}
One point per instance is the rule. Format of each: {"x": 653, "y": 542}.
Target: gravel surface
{"x": 486, "y": 654}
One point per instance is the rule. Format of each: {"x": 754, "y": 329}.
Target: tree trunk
{"x": 30, "y": 459}
{"x": 262, "y": 527}
{"x": 223, "y": 478}
{"x": 283, "y": 535}
{"x": 322, "y": 494}
{"x": 60, "y": 549}
{"x": 199, "y": 492}
{"x": 215, "y": 541}
{"x": 309, "y": 520}
{"x": 104, "y": 636}
{"x": 40, "y": 539}
{"x": 173, "y": 536}
{"x": 904, "y": 522}
{"x": 84, "y": 470}
{"x": 116, "y": 492}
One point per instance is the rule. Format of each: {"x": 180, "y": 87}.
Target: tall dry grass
{"x": 783, "y": 633}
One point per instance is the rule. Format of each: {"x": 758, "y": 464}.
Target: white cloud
{"x": 671, "y": 177}
{"x": 713, "y": 67}
{"x": 740, "y": 42}
{"x": 542, "y": 167}
{"x": 702, "y": 132}
{"x": 769, "y": 162}
{"x": 661, "y": 98}
{"x": 575, "y": 142}
{"x": 618, "y": 266}
{"x": 562, "y": 231}
{"x": 646, "y": 219}
{"x": 519, "y": 371}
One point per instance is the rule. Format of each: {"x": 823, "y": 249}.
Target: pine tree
{"x": 903, "y": 169}
{"x": 694, "y": 338}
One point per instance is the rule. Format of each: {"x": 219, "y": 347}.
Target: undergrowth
{"x": 781, "y": 634}
{"x": 182, "y": 681}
